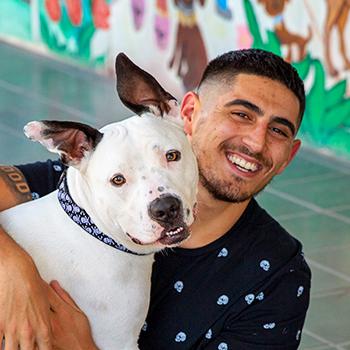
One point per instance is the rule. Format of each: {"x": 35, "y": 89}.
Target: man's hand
{"x": 24, "y": 305}
{"x": 70, "y": 327}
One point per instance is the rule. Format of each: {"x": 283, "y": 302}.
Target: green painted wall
{"x": 308, "y": 33}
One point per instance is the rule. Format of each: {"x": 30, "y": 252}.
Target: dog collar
{"x": 83, "y": 219}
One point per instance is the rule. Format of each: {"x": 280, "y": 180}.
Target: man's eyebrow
{"x": 285, "y": 122}
{"x": 245, "y": 103}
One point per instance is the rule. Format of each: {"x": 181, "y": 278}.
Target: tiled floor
{"x": 311, "y": 199}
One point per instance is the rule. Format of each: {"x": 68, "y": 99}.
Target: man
{"x": 240, "y": 281}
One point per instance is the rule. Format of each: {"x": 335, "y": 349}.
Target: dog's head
{"x": 274, "y": 7}
{"x": 137, "y": 178}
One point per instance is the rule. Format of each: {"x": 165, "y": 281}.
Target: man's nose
{"x": 255, "y": 139}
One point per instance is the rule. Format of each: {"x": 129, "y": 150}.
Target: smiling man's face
{"x": 242, "y": 133}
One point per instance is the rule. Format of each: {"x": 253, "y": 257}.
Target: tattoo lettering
{"x": 13, "y": 187}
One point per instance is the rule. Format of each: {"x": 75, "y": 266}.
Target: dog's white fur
{"x": 111, "y": 286}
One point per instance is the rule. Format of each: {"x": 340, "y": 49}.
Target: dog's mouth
{"x": 135, "y": 240}
{"x": 174, "y": 235}
{"x": 168, "y": 237}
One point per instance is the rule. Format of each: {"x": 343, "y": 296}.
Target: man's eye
{"x": 240, "y": 115}
{"x": 173, "y": 156}
{"x": 279, "y": 131}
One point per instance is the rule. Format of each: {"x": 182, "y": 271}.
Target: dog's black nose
{"x": 165, "y": 209}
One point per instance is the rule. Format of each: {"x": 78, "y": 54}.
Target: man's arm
{"x": 24, "y": 305}
{"x": 13, "y": 187}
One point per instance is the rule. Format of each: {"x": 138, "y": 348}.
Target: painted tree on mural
{"x": 68, "y": 26}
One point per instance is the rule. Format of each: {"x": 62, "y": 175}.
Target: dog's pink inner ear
{"x": 72, "y": 144}
{"x": 139, "y": 90}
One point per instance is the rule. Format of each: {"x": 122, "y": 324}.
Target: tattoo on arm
{"x": 13, "y": 187}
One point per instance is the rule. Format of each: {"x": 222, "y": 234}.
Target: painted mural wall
{"x": 174, "y": 39}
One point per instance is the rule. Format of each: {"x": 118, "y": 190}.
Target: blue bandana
{"x": 82, "y": 218}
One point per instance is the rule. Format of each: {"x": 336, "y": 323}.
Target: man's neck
{"x": 214, "y": 219}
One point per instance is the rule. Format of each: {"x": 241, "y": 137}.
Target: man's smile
{"x": 244, "y": 166}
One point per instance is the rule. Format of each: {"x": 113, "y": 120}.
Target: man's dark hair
{"x": 257, "y": 62}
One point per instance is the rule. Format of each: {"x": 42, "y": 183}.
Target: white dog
{"x": 129, "y": 191}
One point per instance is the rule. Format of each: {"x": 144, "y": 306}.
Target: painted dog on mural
{"x": 276, "y": 8}
{"x": 189, "y": 56}
{"x": 337, "y": 16}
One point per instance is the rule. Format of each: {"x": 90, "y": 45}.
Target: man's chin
{"x": 227, "y": 197}
{"x": 234, "y": 190}
{"x": 224, "y": 192}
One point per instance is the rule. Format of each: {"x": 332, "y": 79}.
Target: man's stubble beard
{"x": 223, "y": 190}
{"x": 227, "y": 191}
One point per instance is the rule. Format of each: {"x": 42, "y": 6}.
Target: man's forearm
{"x": 10, "y": 250}
{"x": 13, "y": 187}
{"x": 13, "y": 190}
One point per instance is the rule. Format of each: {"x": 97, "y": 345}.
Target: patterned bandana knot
{"x": 82, "y": 218}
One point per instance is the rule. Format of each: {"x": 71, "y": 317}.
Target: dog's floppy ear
{"x": 140, "y": 92}
{"x": 72, "y": 141}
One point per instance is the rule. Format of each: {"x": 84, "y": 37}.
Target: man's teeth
{"x": 172, "y": 233}
{"x": 242, "y": 164}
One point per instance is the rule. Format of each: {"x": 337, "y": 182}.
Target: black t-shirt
{"x": 249, "y": 289}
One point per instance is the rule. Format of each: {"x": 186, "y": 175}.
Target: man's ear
{"x": 74, "y": 142}
{"x": 188, "y": 107}
{"x": 295, "y": 148}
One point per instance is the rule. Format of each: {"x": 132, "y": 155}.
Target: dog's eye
{"x": 118, "y": 180}
{"x": 173, "y": 156}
